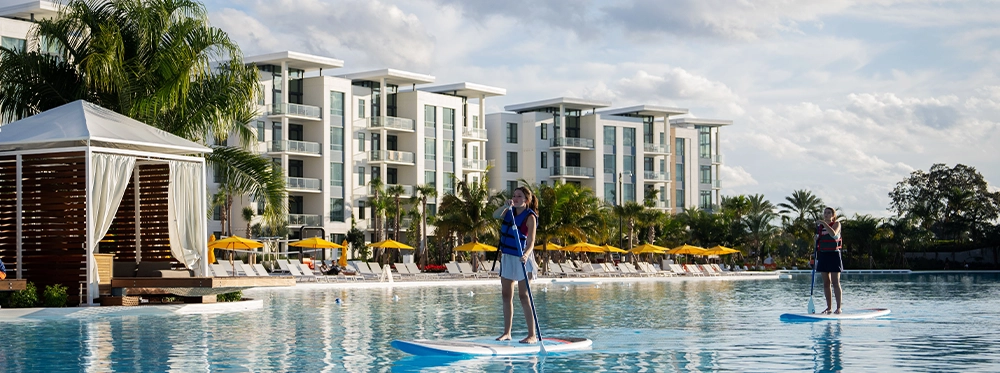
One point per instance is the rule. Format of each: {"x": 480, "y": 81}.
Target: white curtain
{"x": 186, "y": 213}
{"x": 109, "y": 175}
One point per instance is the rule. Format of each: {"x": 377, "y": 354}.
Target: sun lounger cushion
{"x": 124, "y": 269}
{"x": 152, "y": 269}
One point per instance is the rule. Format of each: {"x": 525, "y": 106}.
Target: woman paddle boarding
{"x": 517, "y": 232}
{"x": 829, "y": 266}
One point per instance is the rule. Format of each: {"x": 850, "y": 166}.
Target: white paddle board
{"x": 846, "y": 315}
{"x": 479, "y": 347}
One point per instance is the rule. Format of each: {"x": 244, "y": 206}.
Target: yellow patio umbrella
{"x": 612, "y": 249}
{"x": 720, "y": 250}
{"x": 211, "y": 251}
{"x": 583, "y": 247}
{"x": 686, "y": 249}
{"x": 475, "y": 246}
{"x": 235, "y": 243}
{"x": 316, "y": 243}
{"x": 343, "y": 255}
{"x": 548, "y": 246}
{"x": 648, "y": 248}
{"x": 391, "y": 244}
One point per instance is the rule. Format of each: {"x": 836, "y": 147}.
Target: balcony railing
{"x": 660, "y": 176}
{"x": 716, "y": 184}
{"x": 390, "y": 156}
{"x": 294, "y": 146}
{"x": 302, "y": 183}
{"x": 573, "y": 171}
{"x": 716, "y": 158}
{"x": 656, "y": 148}
{"x": 408, "y": 190}
{"x": 308, "y": 111}
{"x": 474, "y": 164}
{"x": 405, "y": 124}
{"x": 474, "y": 133}
{"x": 575, "y": 142}
{"x": 304, "y": 219}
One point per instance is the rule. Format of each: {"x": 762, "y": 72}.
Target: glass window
{"x": 706, "y": 174}
{"x": 705, "y": 200}
{"x": 449, "y": 150}
{"x": 260, "y": 130}
{"x": 545, "y": 131}
{"x": 609, "y": 163}
{"x": 430, "y": 116}
{"x": 337, "y": 174}
{"x": 475, "y": 121}
{"x": 449, "y": 182}
{"x": 430, "y": 149}
{"x": 628, "y": 164}
{"x": 679, "y": 148}
{"x": 679, "y": 201}
{"x": 679, "y": 175}
{"x": 361, "y": 141}
{"x": 392, "y": 142}
{"x": 647, "y": 130}
{"x": 260, "y": 207}
{"x": 361, "y": 176}
{"x": 647, "y": 164}
{"x": 609, "y": 135}
{"x": 511, "y": 185}
{"x": 704, "y": 142}
{"x": 336, "y": 209}
{"x": 361, "y": 108}
{"x": 628, "y": 136}
{"x": 573, "y": 159}
{"x": 511, "y": 161}
{"x": 337, "y": 105}
{"x": 276, "y": 133}
{"x": 14, "y": 44}
{"x": 430, "y": 178}
{"x": 448, "y": 118}
{"x": 545, "y": 160}
{"x": 663, "y": 194}
{"x": 609, "y": 193}
{"x": 628, "y": 192}
{"x": 361, "y": 210}
{"x": 512, "y": 133}
{"x": 572, "y": 127}
{"x": 337, "y": 139}
{"x": 217, "y": 213}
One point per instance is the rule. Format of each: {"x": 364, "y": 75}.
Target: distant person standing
{"x": 517, "y": 248}
{"x": 828, "y": 261}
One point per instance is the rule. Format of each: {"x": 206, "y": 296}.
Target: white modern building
{"x": 333, "y": 134}
{"x": 644, "y": 153}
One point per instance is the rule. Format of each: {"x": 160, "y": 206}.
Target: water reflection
{"x": 466, "y": 364}
{"x": 828, "y": 348}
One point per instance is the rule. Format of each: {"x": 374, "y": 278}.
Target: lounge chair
{"x": 456, "y": 271}
{"x": 412, "y": 267}
{"x": 611, "y": 269}
{"x": 466, "y": 268}
{"x": 261, "y": 271}
{"x": 403, "y": 271}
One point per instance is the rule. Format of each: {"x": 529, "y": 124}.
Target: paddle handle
{"x": 527, "y": 284}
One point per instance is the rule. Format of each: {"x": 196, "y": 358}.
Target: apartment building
{"x": 640, "y": 153}
{"x": 332, "y": 134}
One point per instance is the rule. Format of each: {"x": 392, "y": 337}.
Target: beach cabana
{"x": 81, "y": 184}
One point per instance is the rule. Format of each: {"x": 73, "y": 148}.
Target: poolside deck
{"x": 195, "y": 286}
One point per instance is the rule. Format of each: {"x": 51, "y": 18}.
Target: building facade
{"x": 640, "y": 153}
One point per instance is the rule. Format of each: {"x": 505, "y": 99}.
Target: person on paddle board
{"x": 512, "y": 244}
{"x": 830, "y": 265}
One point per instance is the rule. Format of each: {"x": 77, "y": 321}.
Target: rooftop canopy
{"x": 554, "y": 103}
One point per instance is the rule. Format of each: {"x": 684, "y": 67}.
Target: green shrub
{"x": 235, "y": 296}
{"x": 54, "y": 296}
{"x": 24, "y": 298}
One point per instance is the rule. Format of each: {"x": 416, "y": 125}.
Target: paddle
{"x": 811, "y": 307}
{"x": 527, "y": 284}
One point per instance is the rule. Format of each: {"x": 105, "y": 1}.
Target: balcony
{"x": 656, "y": 148}
{"x": 391, "y": 123}
{"x": 389, "y": 222}
{"x": 298, "y": 110}
{"x": 408, "y": 190}
{"x": 656, "y": 176}
{"x": 717, "y": 158}
{"x": 661, "y": 204}
{"x": 573, "y": 142}
{"x": 474, "y": 133}
{"x": 391, "y": 156}
{"x": 293, "y": 146}
{"x": 585, "y": 172}
{"x": 302, "y": 219}
{"x": 302, "y": 183}
{"x": 716, "y": 184}
{"x": 474, "y": 164}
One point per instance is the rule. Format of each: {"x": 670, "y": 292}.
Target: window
{"x": 704, "y": 142}
{"x": 609, "y": 135}
{"x": 663, "y": 166}
{"x": 260, "y": 130}
{"x": 14, "y": 44}
{"x": 705, "y": 200}
{"x": 679, "y": 147}
{"x": 361, "y": 176}
{"x": 475, "y": 121}
{"x": 392, "y": 142}
{"x": 573, "y": 159}
{"x": 511, "y": 185}
{"x": 449, "y": 118}
{"x": 628, "y": 137}
{"x": 260, "y": 207}
{"x": 545, "y": 160}
{"x": 337, "y": 139}
{"x": 361, "y": 141}
{"x": 337, "y": 104}
{"x": 573, "y": 127}
{"x": 430, "y": 149}
{"x": 628, "y": 164}
{"x": 647, "y": 130}
{"x": 391, "y": 176}
{"x": 706, "y": 174}
{"x": 430, "y": 116}
{"x": 361, "y": 108}
{"x": 679, "y": 201}
{"x": 449, "y": 150}
{"x": 512, "y": 133}
{"x": 216, "y": 212}
{"x": 511, "y": 161}
{"x": 449, "y": 182}
{"x": 679, "y": 174}
{"x": 430, "y": 178}
{"x": 336, "y": 209}
{"x": 217, "y": 174}
{"x": 361, "y": 210}
{"x": 647, "y": 164}
{"x": 276, "y": 133}
{"x": 628, "y": 192}
{"x": 337, "y": 174}
{"x": 432, "y": 209}
{"x": 663, "y": 194}
{"x": 545, "y": 131}
{"x": 609, "y": 163}
{"x": 609, "y": 193}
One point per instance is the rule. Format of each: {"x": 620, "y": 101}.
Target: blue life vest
{"x": 827, "y": 242}
{"x": 508, "y": 241}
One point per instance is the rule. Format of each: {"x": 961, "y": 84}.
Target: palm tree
{"x": 424, "y": 192}
{"x": 248, "y": 214}
{"x": 378, "y": 205}
{"x": 630, "y": 211}
{"x": 150, "y": 61}
{"x": 801, "y": 209}
{"x": 467, "y": 212}
{"x": 394, "y": 191}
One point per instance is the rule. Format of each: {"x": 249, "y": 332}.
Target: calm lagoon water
{"x": 940, "y": 322}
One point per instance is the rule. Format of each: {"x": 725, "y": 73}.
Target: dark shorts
{"x": 829, "y": 261}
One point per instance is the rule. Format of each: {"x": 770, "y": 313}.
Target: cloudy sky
{"x": 843, "y": 98}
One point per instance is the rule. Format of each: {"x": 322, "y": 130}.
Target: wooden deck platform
{"x": 13, "y": 285}
{"x": 196, "y": 286}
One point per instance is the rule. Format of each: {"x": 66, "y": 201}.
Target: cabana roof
{"x": 81, "y": 123}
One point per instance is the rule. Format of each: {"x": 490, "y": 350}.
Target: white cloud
{"x": 736, "y": 176}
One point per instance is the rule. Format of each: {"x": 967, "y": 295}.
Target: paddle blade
{"x": 812, "y": 306}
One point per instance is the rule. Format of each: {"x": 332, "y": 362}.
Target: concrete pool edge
{"x": 72, "y": 313}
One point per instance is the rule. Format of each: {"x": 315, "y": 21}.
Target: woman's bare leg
{"x": 826, "y": 291}
{"x": 528, "y": 315}
{"x": 835, "y": 283}
{"x": 507, "y": 299}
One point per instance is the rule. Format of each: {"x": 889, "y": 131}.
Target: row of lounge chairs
{"x": 576, "y": 268}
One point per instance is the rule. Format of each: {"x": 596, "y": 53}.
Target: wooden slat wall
{"x": 8, "y": 206}
{"x": 120, "y": 240}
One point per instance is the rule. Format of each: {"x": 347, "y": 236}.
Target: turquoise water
{"x": 939, "y": 323}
